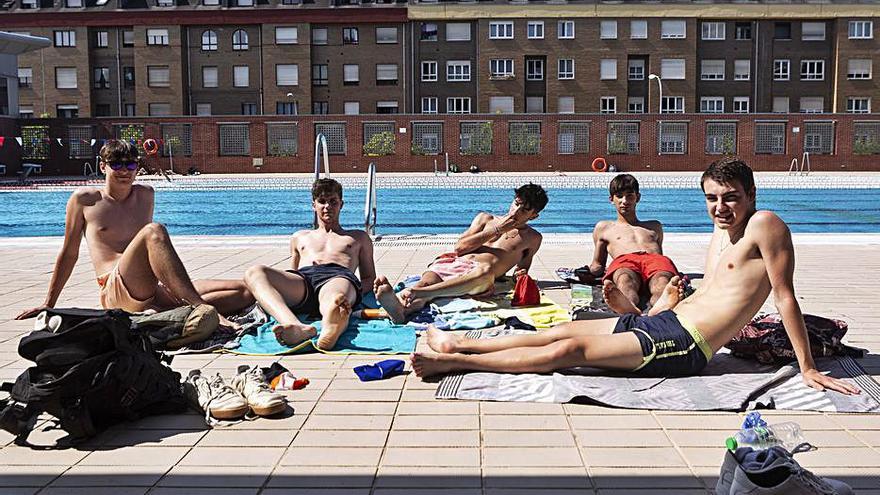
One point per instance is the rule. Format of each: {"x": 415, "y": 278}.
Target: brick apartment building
{"x": 286, "y": 57}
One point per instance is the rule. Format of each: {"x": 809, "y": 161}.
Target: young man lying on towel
{"x": 490, "y": 247}
{"x": 637, "y": 248}
{"x": 322, "y": 281}
{"x": 136, "y": 265}
{"x": 750, "y": 256}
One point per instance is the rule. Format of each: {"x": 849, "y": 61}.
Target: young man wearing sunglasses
{"x": 136, "y": 265}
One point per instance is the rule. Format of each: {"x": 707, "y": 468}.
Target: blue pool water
{"x": 437, "y": 211}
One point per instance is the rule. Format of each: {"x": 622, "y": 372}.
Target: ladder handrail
{"x": 793, "y": 168}
{"x": 321, "y": 143}
{"x": 805, "y": 163}
{"x": 370, "y": 210}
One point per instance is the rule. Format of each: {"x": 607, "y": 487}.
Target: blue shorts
{"x": 671, "y": 346}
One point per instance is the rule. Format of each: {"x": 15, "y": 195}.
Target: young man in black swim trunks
{"x": 322, "y": 281}
{"x": 750, "y": 256}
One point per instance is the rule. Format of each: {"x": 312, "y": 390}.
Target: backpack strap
{"x": 16, "y": 416}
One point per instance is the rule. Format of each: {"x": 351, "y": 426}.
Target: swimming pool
{"x": 410, "y": 210}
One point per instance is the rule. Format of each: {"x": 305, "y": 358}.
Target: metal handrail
{"x": 321, "y": 142}
{"x": 370, "y": 211}
{"x": 802, "y": 168}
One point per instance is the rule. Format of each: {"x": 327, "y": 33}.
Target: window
{"x": 209, "y": 77}
{"x": 742, "y": 70}
{"x": 26, "y": 111}
{"x": 743, "y": 31}
{"x": 335, "y": 134}
{"x": 128, "y": 38}
{"x": 80, "y": 138}
{"x": 65, "y": 38}
{"x": 781, "y": 70}
{"x": 429, "y": 71}
{"x": 427, "y": 138}
{"x": 635, "y": 104}
{"x": 286, "y": 108}
{"x": 858, "y": 104}
{"x": 249, "y": 109}
{"x": 566, "y": 68}
{"x": 458, "y": 31}
{"x": 129, "y": 110}
{"x": 720, "y": 138}
{"x": 501, "y": 68}
{"x": 535, "y": 70}
{"x": 534, "y": 104}
{"x": 608, "y": 104}
{"x": 351, "y": 108}
{"x": 672, "y": 104}
{"x": 240, "y": 40}
{"x": 386, "y": 74}
{"x": 813, "y": 31}
{"x": 859, "y": 68}
{"x": 565, "y": 104}
{"x": 319, "y": 36}
{"x": 157, "y": 37}
{"x": 712, "y": 70}
{"x": 286, "y": 35}
{"x": 30, "y": 4}
{"x": 672, "y": 137}
{"x": 740, "y": 104}
{"x": 500, "y": 104}
{"x": 429, "y": 104}
{"x": 102, "y": 78}
{"x": 672, "y": 68}
{"x": 573, "y": 138}
{"x": 320, "y": 107}
{"x": 128, "y": 77}
{"x": 812, "y": 104}
{"x": 244, "y": 3}
{"x": 66, "y": 112}
{"x": 201, "y": 109}
{"x": 636, "y": 70}
{"x": 25, "y": 77}
{"x": 386, "y": 35}
{"x": 812, "y": 70}
{"x": 101, "y": 110}
{"x": 500, "y": 30}
{"x": 866, "y": 138}
{"x": 711, "y": 104}
{"x": 524, "y": 138}
{"x": 819, "y": 137}
{"x": 565, "y": 30}
{"x": 235, "y": 139}
{"x": 623, "y": 138}
{"x": 350, "y": 36}
{"x": 429, "y": 31}
{"x": 282, "y": 138}
{"x": 458, "y": 70}
{"x": 65, "y": 77}
{"x": 861, "y": 30}
{"x": 458, "y": 104}
{"x": 608, "y": 68}
{"x": 608, "y": 30}
{"x": 240, "y": 76}
{"x": 319, "y": 75}
{"x": 210, "y": 3}
{"x": 102, "y": 39}
{"x": 780, "y": 104}
{"x": 535, "y": 30}
{"x": 165, "y": 3}
{"x": 287, "y": 74}
{"x": 713, "y": 31}
{"x": 782, "y": 31}
{"x": 209, "y": 41}
{"x": 672, "y": 29}
{"x": 638, "y": 30}
{"x": 351, "y": 74}
{"x": 159, "y": 109}
{"x": 475, "y": 138}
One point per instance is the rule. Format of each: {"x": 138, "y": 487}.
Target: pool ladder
{"x": 320, "y": 145}
{"x": 370, "y": 212}
{"x": 800, "y": 169}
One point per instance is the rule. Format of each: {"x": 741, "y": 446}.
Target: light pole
{"x": 659, "y": 111}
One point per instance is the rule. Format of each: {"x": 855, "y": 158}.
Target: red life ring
{"x": 151, "y": 147}
{"x": 602, "y": 161}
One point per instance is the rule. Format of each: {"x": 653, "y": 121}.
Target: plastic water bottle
{"x": 787, "y": 435}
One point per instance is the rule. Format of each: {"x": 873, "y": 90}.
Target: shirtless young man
{"x": 322, "y": 280}
{"x": 490, "y": 247}
{"x": 750, "y": 256}
{"x": 637, "y": 248}
{"x": 136, "y": 264}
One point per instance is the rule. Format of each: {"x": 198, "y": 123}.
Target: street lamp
{"x": 659, "y": 111}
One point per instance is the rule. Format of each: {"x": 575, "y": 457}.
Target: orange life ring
{"x": 601, "y": 160}
{"x": 151, "y": 147}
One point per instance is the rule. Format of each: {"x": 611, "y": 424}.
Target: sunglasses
{"x": 120, "y": 165}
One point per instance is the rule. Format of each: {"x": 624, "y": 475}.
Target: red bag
{"x": 526, "y": 292}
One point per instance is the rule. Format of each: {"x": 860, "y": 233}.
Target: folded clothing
{"x": 448, "y": 266}
{"x": 379, "y": 371}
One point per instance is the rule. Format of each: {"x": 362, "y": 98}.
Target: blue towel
{"x": 381, "y": 370}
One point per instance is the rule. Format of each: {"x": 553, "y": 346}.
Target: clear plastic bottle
{"x": 787, "y": 435}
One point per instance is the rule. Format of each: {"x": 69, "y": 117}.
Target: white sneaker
{"x": 214, "y": 397}
{"x": 251, "y": 383}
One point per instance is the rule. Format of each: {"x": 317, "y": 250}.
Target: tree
{"x": 380, "y": 144}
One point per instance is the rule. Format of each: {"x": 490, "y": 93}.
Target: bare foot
{"x": 440, "y": 341}
{"x": 334, "y": 323}
{"x": 672, "y": 294}
{"x": 293, "y": 335}
{"x": 389, "y": 300}
{"x": 616, "y": 300}
{"x": 429, "y": 364}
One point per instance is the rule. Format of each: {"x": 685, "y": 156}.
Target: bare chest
{"x": 327, "y": 246}
{"x": 115, "y": 222}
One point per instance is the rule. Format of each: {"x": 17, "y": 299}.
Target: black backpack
{"x": 92, "y": 370}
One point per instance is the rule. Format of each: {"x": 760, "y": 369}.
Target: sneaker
{"x": 772, "y": 472}
{"x": 214, "y": 397}
{"x": 251, "y": 383}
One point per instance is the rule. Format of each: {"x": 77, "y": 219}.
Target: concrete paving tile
{"x": 645, "y": 476}
{"x": 417, "y": 395}
{"x": 165, "y": 438}
{"x": 520, "y": 408}
{"x": 536, "y": 478}
{"x": 595, "y": 410}
{"x": 700, "y": 422}
{"x": 870, "y": 437}
{"x": 322, "y": 477}
{"x": 341, "y": 438}
{"x": 232, "y": 456}
{"x": 331, "y": 456}
{"x": 355, "y": 408}
{"x": 19, "y": 490}
{"x": 381, "y": 395}
{"x": 522, "y": 422}
{"x": 212, "y": 476}
{"x": 704, "y": 456}
{"x": 622, "y": 438}
{"x": 437, "y": 438}
{"x": 840, "y": 457}
{"x": 22, "y": 476}
{"x": 393, "y": 383}
{"x": 136, "y": 456}
{"x": 531, "y": 456}
{"x": 319, "y": 422}
{"x": 163, "y": 490}
{"x": 528, "y": 438}
{"x": 247, "y": 438}
{"x": 651, "y": 491}
{"x": 14, "y": 455}
{"x": 813, "y": 421}
{"x": 858, "y": 421}
{"x": 95, "y": 490}
{"x": 427, "y": 476}
{"x": 170, "y": 422}
{"x": 699, "y": 438}
{"x": 426, "y": 491}
{"x": 438, "y": 407}
{"x": 444, "y": 422}
{"x": 316, "y": 491}
{"x": 431, "y": 456}
{"x": 631, "y": 457}
{"x": 626, "y": 422}
{"x": 110, "y": 476}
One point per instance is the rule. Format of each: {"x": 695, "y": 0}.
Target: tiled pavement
{"x": 391, "y": 437}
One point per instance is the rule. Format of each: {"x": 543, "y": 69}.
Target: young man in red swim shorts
{"x": 637, "y": 248}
